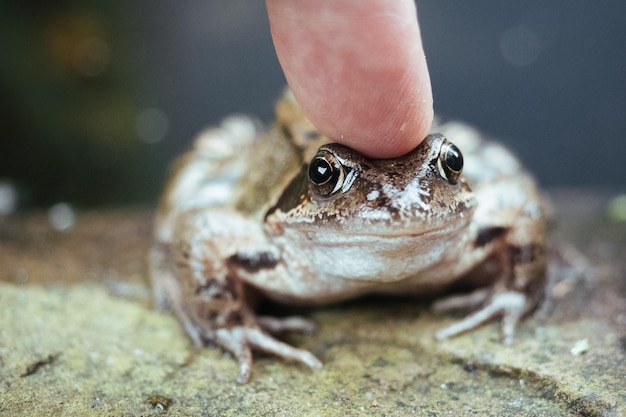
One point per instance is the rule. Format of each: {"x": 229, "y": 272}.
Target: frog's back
{"x": 276, "y": 157}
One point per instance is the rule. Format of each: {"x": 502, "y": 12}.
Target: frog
{"x": 288, "y": 215}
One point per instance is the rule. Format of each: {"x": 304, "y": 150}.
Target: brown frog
{"x": 287, "y": 215}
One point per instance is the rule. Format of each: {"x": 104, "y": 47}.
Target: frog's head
{"x": 341, "y": 193}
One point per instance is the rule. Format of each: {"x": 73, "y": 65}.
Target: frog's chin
{"x": 410, "y": 229}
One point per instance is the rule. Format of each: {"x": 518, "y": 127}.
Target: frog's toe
{"x": 469, "y": 301}
{"x": 261, "y": 341}
{"x": 511, "y": 306}
{"x": 276, "y": 325}
{"x": 240, "y": 341}
{"x": 234, "y": 340}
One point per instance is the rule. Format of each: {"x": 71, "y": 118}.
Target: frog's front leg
{"x": 516, "y": 238}
{"x": 511, "y": 305}
{"x": 206, "y": 288}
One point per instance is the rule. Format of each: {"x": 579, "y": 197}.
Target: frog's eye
{"x": 450, "y": 162}
{"x": 326, "y": 173}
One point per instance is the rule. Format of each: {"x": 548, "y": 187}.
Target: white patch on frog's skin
{"x": 507, "y": 198}
{"x": 192, "y": 193}
{"x": 533, "y": 210}
{"x": 376, "y": 215}
{"x": 425, "y": 193}
{"x": 373, "y": 195}
{"x": 348, "y": 181}
{"x": 410, "y": 195}
{"x": 228, "y": 138}
{"x": 501, "y": 158}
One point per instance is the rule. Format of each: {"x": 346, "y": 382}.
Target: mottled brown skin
{"x": 246, "y": 215}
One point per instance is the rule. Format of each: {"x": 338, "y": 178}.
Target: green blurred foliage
{"x": 71, "y": 88}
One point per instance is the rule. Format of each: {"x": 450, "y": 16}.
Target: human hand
{"x": 357, "y": 70}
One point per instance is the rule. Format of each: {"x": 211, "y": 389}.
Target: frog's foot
{"x": 240, "y": 341}
{"x": 276, "y": 325}
{"x": 511, "y": 306}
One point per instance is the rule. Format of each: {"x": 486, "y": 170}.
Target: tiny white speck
{"x": 581, "y": 347}
{"x": 61, "y": 216}
{"x": 373, "y": 195}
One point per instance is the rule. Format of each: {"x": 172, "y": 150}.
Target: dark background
{"x": 96, "y": 97}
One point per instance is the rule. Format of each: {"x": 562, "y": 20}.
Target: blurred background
{"x": 97, "y": 97}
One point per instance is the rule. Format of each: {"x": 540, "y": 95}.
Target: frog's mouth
{"x": 392, "y": 222}
{"x": 448, "y": 227}
{"x": 364, "y": 231}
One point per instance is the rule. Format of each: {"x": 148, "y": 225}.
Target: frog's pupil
{"x": 320, "y": 171}
{"x": 454, "y": 158}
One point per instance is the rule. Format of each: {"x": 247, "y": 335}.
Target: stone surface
{"x": 78, "y": 336}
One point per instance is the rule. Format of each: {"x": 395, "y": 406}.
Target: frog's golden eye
{"x": 326, "y": 173}
{"x": 450, "y": 162}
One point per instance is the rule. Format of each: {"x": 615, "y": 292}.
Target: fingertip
{"x": 359, "y": 74}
